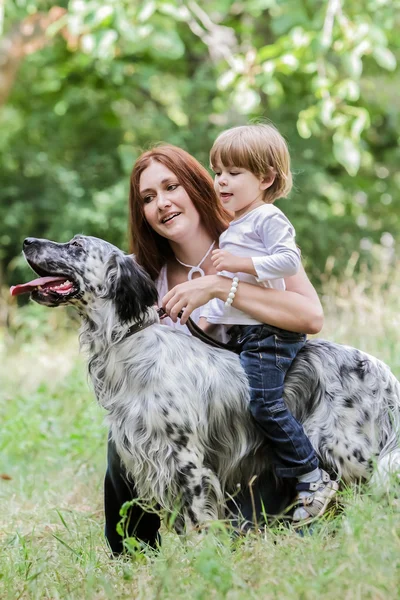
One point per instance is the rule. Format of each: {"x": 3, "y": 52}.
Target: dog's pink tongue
{"x": 25, "y": 288}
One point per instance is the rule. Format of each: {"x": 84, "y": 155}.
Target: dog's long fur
{"x": 178, "y": 409}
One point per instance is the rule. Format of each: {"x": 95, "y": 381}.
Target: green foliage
{"x": 117, "y": 77}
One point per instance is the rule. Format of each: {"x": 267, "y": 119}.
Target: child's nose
{"x": 222, "y": 180}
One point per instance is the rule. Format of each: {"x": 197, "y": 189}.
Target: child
{"x": 252, "y": 169}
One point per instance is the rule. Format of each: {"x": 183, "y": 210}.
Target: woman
{"x": 175, "y": 222}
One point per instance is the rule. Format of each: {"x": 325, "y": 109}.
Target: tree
{"x": 108, "y": 79}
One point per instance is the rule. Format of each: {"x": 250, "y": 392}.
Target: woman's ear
{"x": 267, "y": 180}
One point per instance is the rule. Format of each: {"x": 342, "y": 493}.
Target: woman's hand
{"x": 189, "y": 295}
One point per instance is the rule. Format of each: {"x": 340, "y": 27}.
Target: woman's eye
{"x": 172, "y": 187}
{"x": 147, "y": 199}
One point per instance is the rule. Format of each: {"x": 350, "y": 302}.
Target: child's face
{"x": 239, "y": 189}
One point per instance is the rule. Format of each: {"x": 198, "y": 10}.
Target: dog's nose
{"x": 29, "y": 242}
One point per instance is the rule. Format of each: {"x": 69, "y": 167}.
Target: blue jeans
{"x": 266, "y": 354}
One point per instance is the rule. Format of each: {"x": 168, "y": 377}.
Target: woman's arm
{"x": 305, "y": 300}
{"x": 296, "y": 309}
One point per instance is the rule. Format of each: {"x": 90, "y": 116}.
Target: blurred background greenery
{"x": 86, "y": 85}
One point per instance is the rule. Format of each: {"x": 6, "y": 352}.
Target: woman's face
{"x": 166, "y": 204}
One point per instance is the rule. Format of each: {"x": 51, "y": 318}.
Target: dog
{"x": 178, "y": 408}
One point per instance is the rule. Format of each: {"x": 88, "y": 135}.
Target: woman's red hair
{"x": 152, "y": 250}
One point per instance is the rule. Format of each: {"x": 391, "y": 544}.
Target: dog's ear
{"x": 130, "y": 287}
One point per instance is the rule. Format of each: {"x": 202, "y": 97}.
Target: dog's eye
{"x": 76, "y": 243}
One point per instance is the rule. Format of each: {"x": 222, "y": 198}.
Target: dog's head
{"x": 84, "y": 270}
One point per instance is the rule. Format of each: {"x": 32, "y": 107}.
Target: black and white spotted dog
{"x": 178, "y": 408}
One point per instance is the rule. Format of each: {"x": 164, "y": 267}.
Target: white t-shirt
{"x": 267, "y": 236}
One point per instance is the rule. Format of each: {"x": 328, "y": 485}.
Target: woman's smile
{"x": 170, "y": 217}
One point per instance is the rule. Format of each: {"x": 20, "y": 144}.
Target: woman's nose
{"x": 162, "y": 201}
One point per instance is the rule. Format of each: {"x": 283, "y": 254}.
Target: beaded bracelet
{"x": 232, "y": 293}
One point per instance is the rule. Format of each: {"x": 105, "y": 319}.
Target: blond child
{"x": 252, "y": 169}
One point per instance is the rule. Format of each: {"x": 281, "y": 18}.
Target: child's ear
{"x": 267, "y": 180}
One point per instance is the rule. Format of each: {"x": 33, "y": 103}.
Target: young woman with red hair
{"x": 175, "y": 222}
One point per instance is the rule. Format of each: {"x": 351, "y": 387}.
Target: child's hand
{"x": 225, "y": 261}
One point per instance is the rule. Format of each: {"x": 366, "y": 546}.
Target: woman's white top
{"x": 162, "y": 288}
{"x": 265, "y": 235}
{"x": 202, "y": 311}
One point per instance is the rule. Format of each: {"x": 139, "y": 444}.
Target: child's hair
{"x": 260, "y": 149}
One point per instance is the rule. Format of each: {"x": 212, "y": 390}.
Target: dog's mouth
{"x": 47, "y": 288}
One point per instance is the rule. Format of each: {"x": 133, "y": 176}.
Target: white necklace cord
{"x": 196, "y": 269}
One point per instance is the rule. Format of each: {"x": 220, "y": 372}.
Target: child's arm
{"x": 282, "y": 257}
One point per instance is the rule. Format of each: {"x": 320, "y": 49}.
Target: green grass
{"x": 52, "y": 461}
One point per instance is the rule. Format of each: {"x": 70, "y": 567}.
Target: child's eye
{"x": 234, "y": 173}
{"x": 217, "y": 173}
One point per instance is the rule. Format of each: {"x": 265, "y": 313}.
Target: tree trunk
{"x": 24, "y": 38}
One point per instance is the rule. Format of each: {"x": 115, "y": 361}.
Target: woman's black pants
{"x": 267, "y": 496}
{"x": 118, "y": 489}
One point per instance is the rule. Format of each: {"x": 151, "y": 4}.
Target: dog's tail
{"x": 386, "y": 476}
{"x": 387, "y": 472}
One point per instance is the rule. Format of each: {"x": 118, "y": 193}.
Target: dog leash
{"x": 199, "y": 333}
{"x": 191, "y": 325}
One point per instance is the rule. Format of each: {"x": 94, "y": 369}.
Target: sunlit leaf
{"x": 270, "y": 51}
{"x": 385, "y": 58}
{"x": 348, "y": 89}
{"x": 353, "y": 64}
{"x": 327, "y": 107}
{"x": 106, "y": 43}
{"x": 226, "y": 79}
{"x": 347, "y": 153}
{"x": 147, "y": 9}
{"x": 246, "y": 100}
{"x": 303, "y": 128}
{"x": 361, "y": 122}
{"x": 178, "y": 12}
{"x": 166, "y": 45}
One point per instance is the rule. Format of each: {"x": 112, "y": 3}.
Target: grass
{"x": 52, "y": 460}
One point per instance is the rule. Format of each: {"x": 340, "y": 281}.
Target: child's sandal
{"x": 321, "y": 493}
